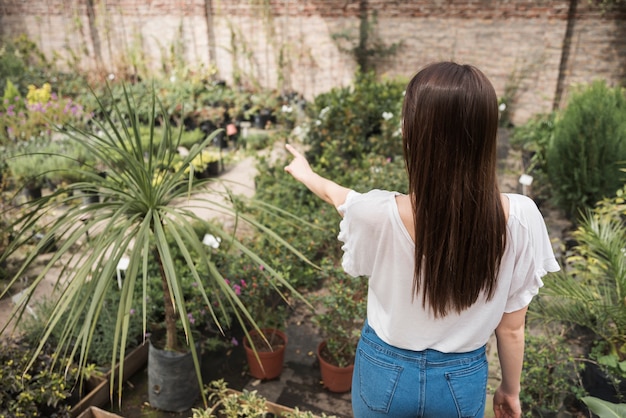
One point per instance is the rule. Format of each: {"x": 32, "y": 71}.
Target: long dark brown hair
{"x": 450, "y": 120}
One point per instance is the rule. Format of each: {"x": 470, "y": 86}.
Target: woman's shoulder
{"x": 373, "y": 201}
{"x": 374, "y": 195}
{"x": 520, "y": 201}
{"x": 524, "y": 209}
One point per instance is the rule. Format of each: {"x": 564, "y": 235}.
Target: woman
{"x": 482, "y": 255}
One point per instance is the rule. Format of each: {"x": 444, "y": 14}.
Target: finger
{"x": 292, "y": 150}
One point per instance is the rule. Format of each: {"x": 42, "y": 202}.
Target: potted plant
{"x": 264, "y": 347}
{"x": 589, "y": 292}
{"x": 26, "y": 166}
{"x": 134, "y": 219}
{"x": 340, "y": 319}
{"x": 263, "y": 104}
{"x": 551, "y": 377}
{"x": 230, "y": 403}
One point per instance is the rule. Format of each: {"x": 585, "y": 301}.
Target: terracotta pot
{"x": 271, "y": 361}
{"x": 334, "y": 378}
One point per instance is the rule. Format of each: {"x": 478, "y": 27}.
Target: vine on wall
{"x": 367, "y": 49}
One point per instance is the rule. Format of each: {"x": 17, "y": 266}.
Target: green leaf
{"x": 603, "y": 408}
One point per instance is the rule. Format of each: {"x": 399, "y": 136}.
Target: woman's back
{"x": 378, "y": 244}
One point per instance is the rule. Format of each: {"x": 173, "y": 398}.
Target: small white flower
{"x": 211, "y": 241}
{"x": 286, "y": 109}
{"x": 301, "y": 132}
{"x": 172, "y": 79}
{"x": 324, "y": 112}
{"x": 111, "y": 76}
{"x": 502, "y": 107}
{"x": 318, "y": 122}
{"x": 387, "y": 115}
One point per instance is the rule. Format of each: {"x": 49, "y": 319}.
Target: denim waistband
{"x": 431, "y": 357}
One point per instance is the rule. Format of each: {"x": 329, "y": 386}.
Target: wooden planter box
{"x": 133, "y": 362}
{"x": 95, "y": 412}
{"x": 272, "y": 407}
{"x": 99, "y": 388}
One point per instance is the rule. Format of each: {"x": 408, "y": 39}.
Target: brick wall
{"x": 516, "y": 42}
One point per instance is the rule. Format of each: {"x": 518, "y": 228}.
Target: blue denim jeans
{"x": 394, "y": 382}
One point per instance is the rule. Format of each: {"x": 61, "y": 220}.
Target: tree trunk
{"x": 170, "y": 313}
{"x": 208, "y": 15}
{"x": 565, "y": 50}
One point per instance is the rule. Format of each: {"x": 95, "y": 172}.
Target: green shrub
{"x": 588, "y": 148}
{"x": 39, "y": 392}
{"x": 341, "y": 319}
{"x": 101, "y": 349}
{"x": 187, "y": 138}
{"x": 550, "y": 374}
{"x": 23, "y": 63}
{"x": 355, "y": 140}
{"x": 315, "y": 234}
{"x": 256, "y": 141}
{"x": 533, "y": 139}
{"x": 26, "y": 164}
{"x": 351, "y": 122}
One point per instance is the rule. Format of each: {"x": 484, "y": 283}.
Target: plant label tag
{"x": 526, "y": 180}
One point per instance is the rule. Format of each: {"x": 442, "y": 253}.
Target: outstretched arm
{"x": 510, "y": 337}
{"x": 327, "y": 190}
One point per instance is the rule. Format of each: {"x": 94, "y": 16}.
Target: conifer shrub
{"x": 588, "y": 148}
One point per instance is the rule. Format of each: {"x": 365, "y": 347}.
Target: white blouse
{"x": 377, "y": 245}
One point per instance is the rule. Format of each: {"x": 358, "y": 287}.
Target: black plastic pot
{"x": 172, "y": 382}
{"x": 598, "y": 384}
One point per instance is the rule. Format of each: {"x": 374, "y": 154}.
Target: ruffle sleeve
{"x": 534, "y": 257}
{"x": 349, "y": 236}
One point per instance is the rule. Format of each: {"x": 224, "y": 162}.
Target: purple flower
{"x": 194, "y": 284}
{"x": 132, "y": 311}
{"x": 237, "y": 289}
{"x": 234, "y": 342}
{"x": 261, "y": 267}
{"x": 191, "y": 318}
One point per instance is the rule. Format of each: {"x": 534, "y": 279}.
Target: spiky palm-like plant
{"x": 591, "y": 290}
{"x": 144, "y": 200}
